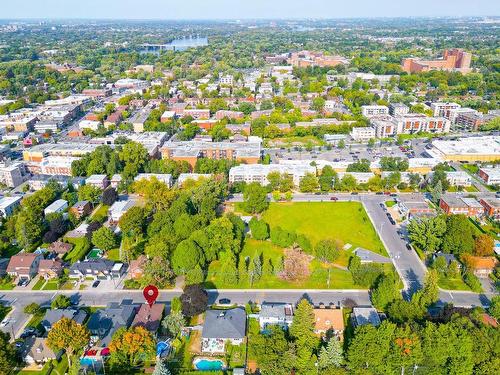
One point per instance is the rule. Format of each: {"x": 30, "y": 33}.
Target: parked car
{"x": 408, "y": 246}
{"x": 224, "y": 301}
{"x": 95, "y": 284}
{"x": 334, "y": 199}
{"x": 23, "y": 282}
{"x": 354, "y": 193}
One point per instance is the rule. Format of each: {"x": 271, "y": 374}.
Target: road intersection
{"x": 407, "y": 263}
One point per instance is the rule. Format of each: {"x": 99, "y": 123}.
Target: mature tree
{"x": 173, "y": 323}
{"x": 29, "y": 228}
{"x": 405, "y": 351}
{"x": 393, "y": 164}
{"x": 68, "y": 335}
{"x": 50, "y": 237}
{"x": 274, "y": 179}
{"x": 302, "y": 332}
{"x": 295, "y": 265}
{"x": 259, "y": 229}
{"x": 386, "y": 291}
{"x": 347, "y": 183}
{"x": 7, "y": 354}
{"x": 109, "y": 196}
{"x": 360, "y": 166}
{"x": 134, "y": 155}
{"x": 483, "y": 245}
{"x": 331, "y": 355}
{"x": 89, "y": 193}
{"x": 221, "y": 237}
{"x": 133, "y": 221}
{"x": 494, "y": 308}
{"x": 32, "y": 308}
{"x": 275, "y": 355}
{"x": 327, "y": 250}
{"x": 229, "y": 270}
{"x": 58, "y": 225}
{"x": 157, "y": 271}
{"x": 282, "y": 237}
{"x": 187, "y": 255}
{"x": 304, "y": 243}
{"x": 458, "y": 238}
{"x": 195, "y": 276}
{"x": 308, "y": 183}
{"x": 161, "y": 368}
{"x": 327, "y": 178}
{"x": 131, "y": 347}
{"x": 369, "y": 349}
{"x": 427, "y": 234}
{"x": 194, "y": 300}
{"x": 104, "y": 238}
{"x": 255, "y": 198}
{"x": 60, "y": 302}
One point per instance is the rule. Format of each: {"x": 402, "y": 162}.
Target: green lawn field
{"x": 346, "y": 221}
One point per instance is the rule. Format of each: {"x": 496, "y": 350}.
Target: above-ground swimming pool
{"x": 205, "y": 364}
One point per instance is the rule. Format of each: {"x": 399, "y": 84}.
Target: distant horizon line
{"x": 246, "y": 19}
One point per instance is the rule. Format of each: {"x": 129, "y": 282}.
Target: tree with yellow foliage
{"x": 131, "y": 347}
{"x": 68, "y": 335}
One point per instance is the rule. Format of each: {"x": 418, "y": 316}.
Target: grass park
{"x": 344, "y": 221}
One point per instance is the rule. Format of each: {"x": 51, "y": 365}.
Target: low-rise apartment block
{"x": 374, "y": 110}
{"x": 453, "y": 205}
{"x": 444, "y": 109}
{"x": 258, "y": 172}
{"x": 490, "y": 176}
{"x": 248, "y": 152}
{"x": 362, "y": 134}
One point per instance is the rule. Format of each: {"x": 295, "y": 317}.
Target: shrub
{"x": 259, "y": 229}
{"x": 282, "y": 238}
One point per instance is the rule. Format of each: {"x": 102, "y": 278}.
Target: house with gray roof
{"x": 104, "y": 323}
{"x": 275, "y": 314}
{"x": 53, "y": 316}
{"x": 222, "y": 326}
{"x": 368, "y": 256}
{"x": 102, "y": 269}
{"x": 365, "y": 315}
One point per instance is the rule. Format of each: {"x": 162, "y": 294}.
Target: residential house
{"x": 223, "y": 326}
{"x": 50, "y": 268}
{"x": 328, "y": 320}
{"x": 365, "y": 315}
{"x": 37, "y": 351}
{"x": 167, "y": 179}
{"x": 98, "y": 180}
{"x": 60, "y": 248}
{"x": 101, "y": 269}
{"x": 115, "y": 181}
{"x": 24, "y": 265}
{"x": 81, "y": 209}
{"x": 118, "y": 209}
{"x": 56, "y": 207}
{"x": 104, "y": 323}
{"x": 275, "y": 314}
{"x": 149, "y": 317}
{"x": 482, "y": 266}
{"x": 52, "y": 316}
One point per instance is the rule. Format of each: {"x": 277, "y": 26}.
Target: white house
{"x": 55, "y": 207}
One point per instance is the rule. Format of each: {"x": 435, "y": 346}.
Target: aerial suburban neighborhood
{"x": 252, "y": 194}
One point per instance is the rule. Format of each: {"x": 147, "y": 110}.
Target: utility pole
{"x": 328, "y": 281}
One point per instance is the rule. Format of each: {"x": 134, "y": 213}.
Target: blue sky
{"x": 239, "y": 9}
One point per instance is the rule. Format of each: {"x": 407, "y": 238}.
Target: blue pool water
{"x": 209, "y": 364}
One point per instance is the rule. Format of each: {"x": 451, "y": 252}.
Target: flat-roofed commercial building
{"x": 470, "y": 149}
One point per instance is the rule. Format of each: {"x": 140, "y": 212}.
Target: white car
{"x": 4, "y": 322}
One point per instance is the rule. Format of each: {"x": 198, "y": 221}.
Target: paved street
{"x": 408, "y": 265}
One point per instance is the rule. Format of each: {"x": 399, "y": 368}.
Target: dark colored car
{"x": 95, "y": 284}
{"x": 408, "y": 246}
{"x": 354, "y": 193}
{"x": 334, "y": 199}
{"x": 224, "y": 301}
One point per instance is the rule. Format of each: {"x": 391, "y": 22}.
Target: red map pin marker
{"x": 150, "y": 294}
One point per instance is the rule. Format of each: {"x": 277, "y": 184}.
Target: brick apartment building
{"x": 465, "y": 206}
{"x": 453, "y": 60}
